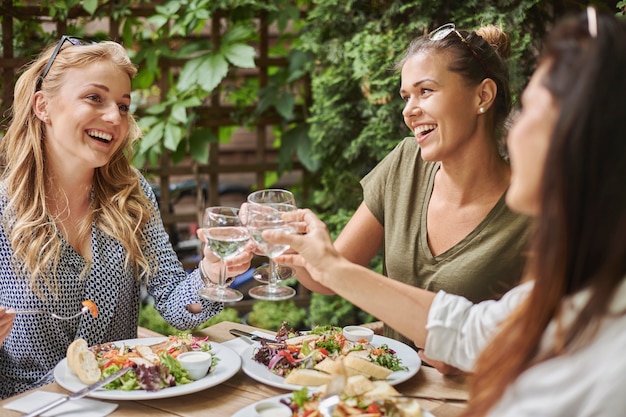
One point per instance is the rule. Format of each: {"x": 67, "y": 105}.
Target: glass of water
{"x": 226, "y": 236}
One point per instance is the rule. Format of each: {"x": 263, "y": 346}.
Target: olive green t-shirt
{"x": 483, "y": 265}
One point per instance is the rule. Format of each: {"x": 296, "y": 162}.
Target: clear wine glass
{"x": 276, "y": 196}
{"x": 226, "y": 236}
{"x": 261, "y": 217}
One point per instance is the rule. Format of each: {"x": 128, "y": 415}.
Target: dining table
{"x": 240, "y": 391}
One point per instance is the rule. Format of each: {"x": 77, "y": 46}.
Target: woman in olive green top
{"x": 435, "y": 204}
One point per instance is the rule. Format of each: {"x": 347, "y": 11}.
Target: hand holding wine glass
{"x": 261, "y": 217}
{"x": 226, "y": 237}
{"x": 273, "y": 196}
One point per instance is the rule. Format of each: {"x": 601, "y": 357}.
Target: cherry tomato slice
{"x": 91, "y": 306}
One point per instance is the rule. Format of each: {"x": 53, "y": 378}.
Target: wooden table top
{"x": 241, "y": 391}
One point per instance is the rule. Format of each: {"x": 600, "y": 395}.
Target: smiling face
{"x": 528, "y": 142}
{"x": 88, "y": 120}
{"x": 440, "y": 108}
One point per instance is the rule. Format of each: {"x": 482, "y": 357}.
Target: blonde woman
{"x": 77, "y": 221}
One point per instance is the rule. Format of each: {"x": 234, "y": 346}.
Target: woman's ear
{"x": 40, "y": 107}
{"x": 487, "y": 92}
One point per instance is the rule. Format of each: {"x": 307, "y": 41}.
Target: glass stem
{"x": 273, "y": 278}
{"x": 221, "y": 284}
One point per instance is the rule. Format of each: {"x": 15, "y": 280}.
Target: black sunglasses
{"x": 71, "y": 39}
{"x": 443, "y": 31}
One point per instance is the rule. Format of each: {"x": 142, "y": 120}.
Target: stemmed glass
{"x": 261, "y": 217}
{"x": 226, "y": 236}
{"x": 278, "y": 196}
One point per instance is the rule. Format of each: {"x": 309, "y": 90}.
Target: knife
{"x": 237, "y": 332}
{"x": 79, "y": 394}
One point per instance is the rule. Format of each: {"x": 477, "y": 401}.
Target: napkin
{"x": 239, "y": 344}
{"x": 81, "y": 407}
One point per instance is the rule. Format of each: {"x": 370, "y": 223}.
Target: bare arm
{"x": 368, "y": 290}
{"x": 358, "y": 242}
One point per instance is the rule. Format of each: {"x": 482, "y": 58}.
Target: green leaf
{"x": 172, "y": 136}
{"x": 199, "y": 144}
{"x": 285, "y": 104}
{"x": 152, "y": 138}
{"x": 297, "y": 141}
{"x": 189, "y": 74}
{"x": 239, "y": 54}
{"x": 157, "y": 108}
{"x": 90, "y": 6}
{"x": 169, "y": 8}
{"x": 156, "y": 20}
{"x": 212, "y": 71}
{"x": 179, "y": 113}
{"x": 237, "y": 34}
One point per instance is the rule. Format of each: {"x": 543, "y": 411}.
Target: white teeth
{"x": 100, "y": 135}
{"x": 423, "y": 128}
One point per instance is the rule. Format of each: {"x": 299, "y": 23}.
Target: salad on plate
{"x": 155, "y": 365}
{"x": 311, "y": 358}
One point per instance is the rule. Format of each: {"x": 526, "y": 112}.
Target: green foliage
{"x": 270, "y": 314}
{"x": 345, "y": 49}
{"x": 355, "y": 118}
{"x": 151, "y": 319}
{"x": 335, "y": 310}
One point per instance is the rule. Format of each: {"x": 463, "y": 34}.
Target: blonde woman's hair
{"x": 119, "y": 205}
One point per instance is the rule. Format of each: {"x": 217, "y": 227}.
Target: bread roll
{"x": 358, "y": 385}
{"x": 72, "y": 353}
{"x": 329, "y": 365}
{"x": 83, "y": 362}
{"x": 367, "y": 367}
{"x": 381, "y": 390}
{"x": 307, "y": 377}
{"x": 88, "y": 371}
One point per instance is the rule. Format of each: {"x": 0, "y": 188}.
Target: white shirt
{"x": 587, "y": 381}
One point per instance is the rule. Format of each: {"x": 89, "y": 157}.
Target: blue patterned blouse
{"x": 38, "y": 342}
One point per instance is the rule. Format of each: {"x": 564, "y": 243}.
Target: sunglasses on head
{"x": 74, "y": 40}
{"x": 443, "y": 31}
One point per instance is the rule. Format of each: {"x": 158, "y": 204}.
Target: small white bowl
{"x": 196, "y": 363}
{"x": 358, "y": 333}
{"x": 272, "y": 409}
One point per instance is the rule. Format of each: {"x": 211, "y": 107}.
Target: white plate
{"x": 229, "y": 365}
{"x": 259, "y": 372}
{"x": 248, "y": 411}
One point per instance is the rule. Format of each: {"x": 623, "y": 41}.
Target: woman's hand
{"x": 314, "y": 247}
{"x": 6, "y": 323}
{"x": 442, "y": 367}
{"x": 211, "y": 264}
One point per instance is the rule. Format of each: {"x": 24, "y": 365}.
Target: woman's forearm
{"x": 403, "y": 307}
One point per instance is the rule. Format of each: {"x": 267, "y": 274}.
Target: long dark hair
{"x": 579, "y": 238}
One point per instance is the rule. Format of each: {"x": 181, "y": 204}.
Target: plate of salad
{"x": 226, "y": 363}
{"x": 271, "y": 363}
{"x": 302, "y": 403}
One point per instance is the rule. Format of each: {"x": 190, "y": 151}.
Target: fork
{"x": 334, "y": 388}
{"x": 83, "y": 311}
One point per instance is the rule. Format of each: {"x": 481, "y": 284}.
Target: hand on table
{"x": 442, "y": 367}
